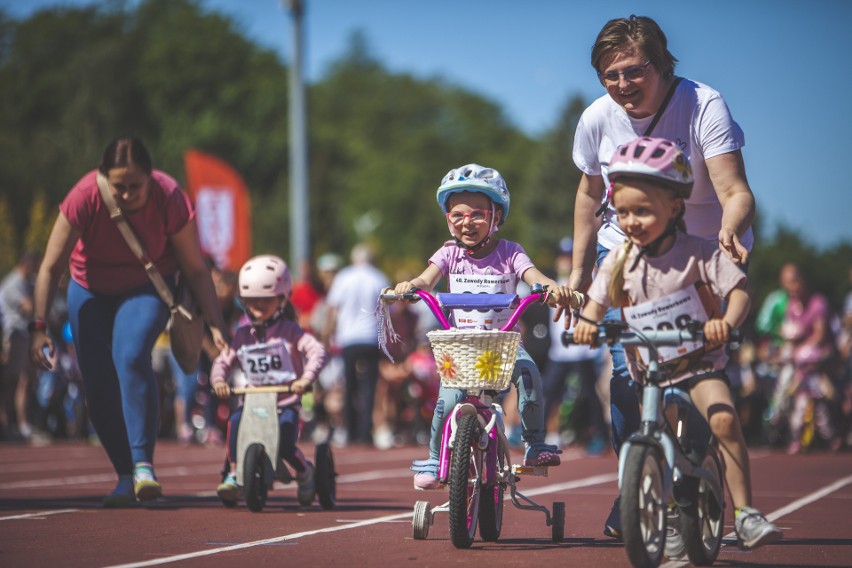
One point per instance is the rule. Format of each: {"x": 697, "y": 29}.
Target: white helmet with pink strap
{"x": 265, "y": 276}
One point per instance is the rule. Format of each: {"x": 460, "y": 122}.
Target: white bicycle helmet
{"x": 477, "y": 179}
{"x": 265, "y": 276}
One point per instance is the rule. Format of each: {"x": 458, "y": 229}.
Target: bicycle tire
{"x": 254, "y": 485}
{"x": 702, "y": 522}
{"x": 491, "y": 504}
{"x": 465, "y": 472}
{"x": 420, "y": 520}
{"x": 326, "y": 477}
{"x": 643, "y": 512}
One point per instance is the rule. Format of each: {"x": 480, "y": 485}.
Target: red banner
{"x": 223, "y": 210}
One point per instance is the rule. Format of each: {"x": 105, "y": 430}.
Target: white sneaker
{"x": 754, "y": 530}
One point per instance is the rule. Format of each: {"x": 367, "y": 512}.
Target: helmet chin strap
{"x": 469, "y": 250}
{"x": 654, "y": 246}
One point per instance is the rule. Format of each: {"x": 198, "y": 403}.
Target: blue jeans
{"x": 526, "y": 377}
{"x": 623, "y": 392}
{"x": 114, "y": 336}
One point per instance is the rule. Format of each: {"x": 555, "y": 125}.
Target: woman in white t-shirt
{"x": 635, "y": 67}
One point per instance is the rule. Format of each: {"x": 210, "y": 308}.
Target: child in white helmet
{"x": 271, "y": 350}
{"x": 475, "y": 201}
{"x": 662, "y": 277}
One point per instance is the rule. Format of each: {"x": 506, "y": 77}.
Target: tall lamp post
{"x": 299, "y": 218}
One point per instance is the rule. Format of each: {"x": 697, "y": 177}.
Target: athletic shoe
{"x": 145, "y": 484}
{"x": 542, "y": 454}
{"x": 307, "y": 487}
{"x": 754, "y": 530}
{"x": 122, "y": 495}
{"x": 228, "y": 491}
{"x": 612, "y": 526}
{"x": 427, "y": 481}
{"x": 675, "y": 548}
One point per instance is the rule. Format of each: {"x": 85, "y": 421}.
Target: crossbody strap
{"x": 662, "y": 108}
{"x": 117, "y": 215}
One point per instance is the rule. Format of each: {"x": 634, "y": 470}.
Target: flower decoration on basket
{"x": 447, "y": 366}
{"x": 489, "y": 364}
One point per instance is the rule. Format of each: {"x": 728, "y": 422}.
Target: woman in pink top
{"x": 661, "y": 278}
{"x": 271, "y": 350}
{"x": 115, "y": 312}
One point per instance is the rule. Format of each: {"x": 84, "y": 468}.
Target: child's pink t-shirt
{"x": 691, "y": 263}
{"x": 102, "y": 261}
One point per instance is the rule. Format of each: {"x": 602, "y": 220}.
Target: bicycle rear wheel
{"x": 702, "y": 523}
{"x": 465, "y": 478}
{"x": 491, "y": 504}
{"x": 643, "y": 512}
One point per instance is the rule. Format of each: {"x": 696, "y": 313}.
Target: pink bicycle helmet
{"x": 265, "y": 276}
{"x": 656, "y": 159}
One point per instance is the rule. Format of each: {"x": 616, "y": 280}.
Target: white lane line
{"x": 782, "y": 512}
{"x": 594, "y": 480}
{"x": 94, "y": 478}
{"x": 38, "y": 515}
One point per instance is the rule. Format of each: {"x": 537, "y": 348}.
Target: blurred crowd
{"x": 792, "y": 376}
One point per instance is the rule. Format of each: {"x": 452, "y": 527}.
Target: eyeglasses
{"x": 630, "y": 74}
{"x": 477, "y": 217}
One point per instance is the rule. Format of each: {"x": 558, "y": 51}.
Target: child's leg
{"x": 233, "y": 428}
{"x": 527, "y": 379}
{"x": 447, "y": 400}
{"x": 712, "y": 398}
{"x": 288, "y": 424}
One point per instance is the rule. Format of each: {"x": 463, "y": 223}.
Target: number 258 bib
{"x": 266, "y": 364}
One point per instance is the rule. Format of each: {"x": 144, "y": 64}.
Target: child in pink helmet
{"x": 271, "y": 350}
{"x": 660, "y": 266}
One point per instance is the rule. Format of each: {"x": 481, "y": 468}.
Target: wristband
{"x": 37, "y": 324}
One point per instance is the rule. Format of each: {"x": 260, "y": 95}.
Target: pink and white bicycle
{"x": 475, "y": 462}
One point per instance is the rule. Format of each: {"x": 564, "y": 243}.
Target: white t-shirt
{"x": 696, "y": 119}
{"x": 354, "y": 292}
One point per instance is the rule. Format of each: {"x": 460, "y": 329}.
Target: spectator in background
{"x": 307, "y": 292}
{"x": 16, "y": 305}
{"x": 352, "y": 299}
{"x": 563, "y": 364}
{"x": 806, "y": 328}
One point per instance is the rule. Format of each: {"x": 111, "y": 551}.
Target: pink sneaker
{"x": 542, "y": 454}
{"x": 426, "y": 482}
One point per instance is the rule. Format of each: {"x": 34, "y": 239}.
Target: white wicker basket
{"x": 475, "y": 358}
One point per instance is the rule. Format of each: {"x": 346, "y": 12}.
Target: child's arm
{"x": 426, "y": 281}
{"x": 586, "y": 332}
{"x": 560, "y": 295}
{"x": 220, "y": 370}
{"x": 316, "y": 356}
{"x": 718, "y": 330}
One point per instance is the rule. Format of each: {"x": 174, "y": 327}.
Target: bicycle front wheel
{"x": 465, "y": 479}
{"x": 643, "y": 511}
{"x": 702, "y": 523}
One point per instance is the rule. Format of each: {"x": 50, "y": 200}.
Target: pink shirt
{"x": 102, "y": 261}
{"x": 691, "y": 262}
{"x": 507, "y": 258}
{"x": 307, "y": 354}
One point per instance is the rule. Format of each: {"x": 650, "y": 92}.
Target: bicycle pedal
{"x": 534, "y": 470}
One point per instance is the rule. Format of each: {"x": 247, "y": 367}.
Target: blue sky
{"x": 782, "y": 66}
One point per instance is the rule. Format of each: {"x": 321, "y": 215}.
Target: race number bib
{"x": 266, "y": 364}
{"x": 674, "y": 311}
{"x": 482, "y": 284}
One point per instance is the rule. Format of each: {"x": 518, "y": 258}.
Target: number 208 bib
{"x": 674, "y": 311}
{"x": 266, "y": 364}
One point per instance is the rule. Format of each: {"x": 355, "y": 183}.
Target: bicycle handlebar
{"x": 618, "y": 332}
{"x": 266, "y": 388}
{"x": 440, "y": 301}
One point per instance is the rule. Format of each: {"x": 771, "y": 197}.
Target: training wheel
{"x": 557, "y": 524}
{"x": 421, "y": 520}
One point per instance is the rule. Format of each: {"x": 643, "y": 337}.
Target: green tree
{"x": 8, "y": 237}
{"x": 40, "y": 224}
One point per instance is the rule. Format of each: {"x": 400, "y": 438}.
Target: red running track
{"x": 50, "y": 514}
